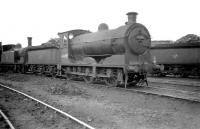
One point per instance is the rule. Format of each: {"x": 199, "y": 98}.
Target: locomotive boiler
{"x": 112, "y": 42}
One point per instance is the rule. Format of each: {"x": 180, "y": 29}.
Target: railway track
{"x": 157, "y": 91}
{"x": 163, "y": 87}
{"x": 171, "y": 92}
{"x": 5, "y": 123}
{"x": 68, "y": 116}
{"x": 177, "y": 91}
{"x": 186, "y": 90}
{"x": 174, "y": 90}
{"x": 176, "y": 81}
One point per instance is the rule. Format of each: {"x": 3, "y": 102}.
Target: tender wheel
{"x": 111, "y": 81}
{"x": 88, "y": 79}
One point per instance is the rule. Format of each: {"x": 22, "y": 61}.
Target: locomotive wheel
{"x": 112, "y": 81}
{"x": 68, "y": 77}
{"x": 53, "y": 74}
{"x": 41, "y": 70}
{"x": 88, "y": 79}
{"x": 184, "y": 75}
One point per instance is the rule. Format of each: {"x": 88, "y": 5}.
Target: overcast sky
{"x": 43, "y": 19}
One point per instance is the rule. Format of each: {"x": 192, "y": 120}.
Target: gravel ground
{"x": 108, "y": 108}
{"x": 27, "y": 114}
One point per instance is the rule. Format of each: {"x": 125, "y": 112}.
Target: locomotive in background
{"x": 180, "y": 58}
{"x": 117, "y": 56}
{"x": 10, "y": 58}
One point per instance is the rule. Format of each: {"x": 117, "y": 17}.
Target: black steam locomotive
{"x": 117, "y": 56}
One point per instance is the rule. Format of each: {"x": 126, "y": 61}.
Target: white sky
{"x": 43, "y": 19}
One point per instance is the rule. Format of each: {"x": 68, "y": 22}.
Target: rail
{"x": 7, "y": 120}
{"x": 58, "y": 110}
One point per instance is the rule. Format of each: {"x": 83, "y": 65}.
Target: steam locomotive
{"x": 117, "y": 56}
{"x": 180, "y": 58}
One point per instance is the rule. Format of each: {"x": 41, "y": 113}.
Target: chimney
{"x": 29, "y": 41}
{"x": 132, "y": 16}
